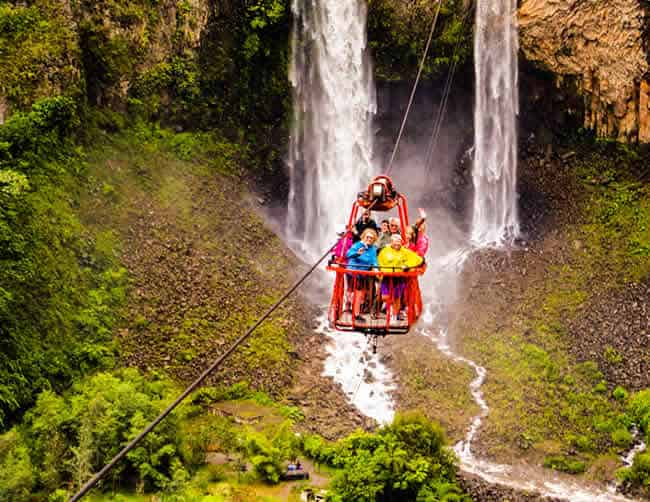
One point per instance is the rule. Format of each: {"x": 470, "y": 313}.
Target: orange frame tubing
{"x": 341, "y": 297}
{"x": 341, "y": 294}
{"x": 402, "y": 210}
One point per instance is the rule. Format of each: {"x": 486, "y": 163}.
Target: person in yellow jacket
{"x": 396, "y": 258}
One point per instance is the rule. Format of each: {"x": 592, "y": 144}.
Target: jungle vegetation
{"x": 67, "y": 404}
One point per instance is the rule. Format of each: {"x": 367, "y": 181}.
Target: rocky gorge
{"x": 183, "y": 118}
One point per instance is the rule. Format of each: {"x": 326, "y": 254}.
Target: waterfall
{"x": 495, "y": 220}
{"x": 334, "y": 101}
{"x": 329, "y": 162}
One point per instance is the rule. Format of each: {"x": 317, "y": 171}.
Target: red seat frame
{"x": 345, "y": 289}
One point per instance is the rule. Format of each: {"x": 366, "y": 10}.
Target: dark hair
{"x": 416, "y": 231}
{"x": 384, "y": 221}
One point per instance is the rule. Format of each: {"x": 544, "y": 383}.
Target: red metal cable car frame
{"x": 402, "y": 284}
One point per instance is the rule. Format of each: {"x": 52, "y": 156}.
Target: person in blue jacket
{"x": 362, "y": 256}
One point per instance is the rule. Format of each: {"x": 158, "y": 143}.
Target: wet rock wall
{"x": 600, "y": 49}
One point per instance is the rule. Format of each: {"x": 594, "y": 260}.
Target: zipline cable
{"x": 95, "y": 479}
{"x": 433, "y": 143}
{"x": 437, "y": 126}
{"x": 415, "y": 86}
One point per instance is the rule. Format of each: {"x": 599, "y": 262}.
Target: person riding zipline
{"x": 364, "y": 221}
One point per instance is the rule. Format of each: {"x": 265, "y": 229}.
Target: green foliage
{"x": 59, "y": 495}
{"x": 541, "y": 362}
{"x": 619, "y": 204}
{"x": 265, "y": 456}
{"x": 17, "y": 475}
{"x": 240, "y": 391}
{"x": 622, "y": 438}
{"x": 600, "y": 387}
{"x": 611, "y": 355}
{"x": 244, "y": 78}
{"x": 262, "y": 14}
{"x": 639, "y": 473}
{"x": 293, "y": 413}
{"x": 398, "y": 31}
{"x": 639, "y": 411}
{"x": 318, "y": 449}
{"x": 590, "y": 372}
{"x": 205, "y": 148}
{"x": 565, "y": 464}
{"x": 170, "y": 90}
{"x": 57, "y": 304}
{"x": 114, "y": 36}
{"x": 622, "y": 207}
{"x": 28, "y": 139}
{"x": 620, "y": 394}
{"x": 37, "y": 50}
{"x": 71, "y": 437}
{"x": 581, "y": 442}
{"x": 12, "y": 183}
{"x": 406, "y": 460}
{"x": 554, "y": 403}
{"x": 207, "y": 395}
{"x": 107, "y": 58}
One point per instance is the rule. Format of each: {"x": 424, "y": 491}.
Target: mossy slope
{"x": 201, "y": 262}
{"x": 547, "y": 388}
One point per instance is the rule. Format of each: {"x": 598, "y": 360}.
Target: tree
{"x": 407, "y": 460}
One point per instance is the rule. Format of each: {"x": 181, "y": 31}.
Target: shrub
{"x": 265, "y": 457}
{"x": 406, "y": 460}
{"x": 622, "y": 438}
{"x": 38, "y": 135}
{"x": 179, "y": 79}
{"x": 639, "y": 473}
{"x": 620, "y": 394}
{"x": 564, "y": 464}
{"x": 73, "y": 436}
{"x": 582, "y": 442}
{"x": 639, "y": 410}
{"x": 16, "y": 471}
{"x": 316, "y": 448}
{"x": 600, "y": 387}
{"x": 611, "y": 355}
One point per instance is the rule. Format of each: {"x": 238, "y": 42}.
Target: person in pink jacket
{"x": 343, "y": 245}
{"x": 417, "y": 240}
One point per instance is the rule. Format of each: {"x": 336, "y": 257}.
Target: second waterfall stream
{"x": 331, "y": 158}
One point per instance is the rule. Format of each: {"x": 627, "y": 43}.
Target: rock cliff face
{"x": 39, "y": 53}
{"x": 50, "y": 47}
{"x": 121, "y": 41}
{"x": 600, "y": 48}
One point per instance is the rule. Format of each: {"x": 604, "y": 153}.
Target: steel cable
{"x": 97, "y": 477}
{"x": 433, "y": 143}
{"x": 415, "y": 86}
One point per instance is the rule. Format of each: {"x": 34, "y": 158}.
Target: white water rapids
{"x": 330, "y": 160}
{"x": 547, "y": 483}
{"x": 366, "y": 381}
